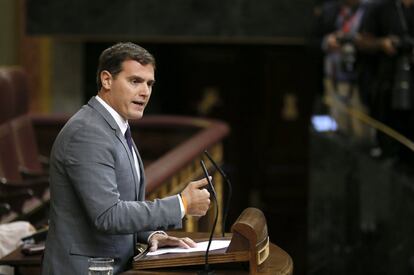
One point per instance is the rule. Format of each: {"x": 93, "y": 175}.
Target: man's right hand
{"x": 332, "y": 42}
{"x": 387, "y": 45}
{"x": 198, "y": 200}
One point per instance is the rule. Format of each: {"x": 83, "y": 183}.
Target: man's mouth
{"x": 139, "y": 103}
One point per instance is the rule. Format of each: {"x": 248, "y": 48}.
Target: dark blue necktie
{"x": 128, "y": 138}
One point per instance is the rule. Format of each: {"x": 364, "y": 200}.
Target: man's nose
{"x": 145, "y": 90}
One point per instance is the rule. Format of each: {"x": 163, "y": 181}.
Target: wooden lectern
{"x": 249, "y": 243}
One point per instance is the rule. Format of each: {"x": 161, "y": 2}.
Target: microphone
{"x": 229, "y": 190}
{"x": 207, "y": 270}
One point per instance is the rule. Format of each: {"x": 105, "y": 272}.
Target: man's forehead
{"x": 135, "y": 64}
{"x": 133, "y": 67}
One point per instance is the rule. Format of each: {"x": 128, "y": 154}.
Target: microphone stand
{"x": 229, "y": 190}
{"x": 207, "y": 270}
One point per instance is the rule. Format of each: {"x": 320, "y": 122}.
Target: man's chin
{"x": 137, "y": 115}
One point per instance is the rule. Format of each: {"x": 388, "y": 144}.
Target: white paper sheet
{"x": 201, "y": 246}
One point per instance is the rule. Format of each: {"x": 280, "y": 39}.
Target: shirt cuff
{"x": 182, "y": 216}
{"x": 181, "y": 206}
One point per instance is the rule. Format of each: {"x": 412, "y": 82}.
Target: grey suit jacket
{"x": 97, "y": 207}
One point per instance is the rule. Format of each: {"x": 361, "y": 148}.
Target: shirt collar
{"x": 122, "y": 123}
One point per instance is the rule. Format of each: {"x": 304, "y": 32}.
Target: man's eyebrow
{"x": 137, "y": 77}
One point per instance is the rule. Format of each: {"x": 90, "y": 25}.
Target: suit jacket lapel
{"x": 121, "y": 137}
{"x": 94, "y": 103}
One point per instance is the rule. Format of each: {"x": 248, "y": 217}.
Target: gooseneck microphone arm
{"x": 207, "y": 269}
{"x": 229, "y": 190}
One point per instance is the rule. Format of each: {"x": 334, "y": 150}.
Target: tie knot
{"x": 128, "y": 133}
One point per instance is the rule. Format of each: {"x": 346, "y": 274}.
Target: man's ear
{"x": 106, "y": 79}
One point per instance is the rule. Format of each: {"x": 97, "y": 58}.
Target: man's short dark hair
{"x": 111, "y": 59}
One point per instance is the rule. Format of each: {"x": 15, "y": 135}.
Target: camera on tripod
{"x": 402, "y": 96}
{"x": 348, "y": 53}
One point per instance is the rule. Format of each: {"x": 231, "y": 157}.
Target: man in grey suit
{"x": 97, "y": 179}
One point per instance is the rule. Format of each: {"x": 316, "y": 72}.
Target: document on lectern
{"x": 201, "y": 247}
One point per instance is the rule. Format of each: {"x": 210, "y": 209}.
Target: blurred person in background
{"x": 387, "y": 35}
{"x": 337, "y": 27}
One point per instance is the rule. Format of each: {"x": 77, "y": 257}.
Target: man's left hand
{"x": 161, "y": 240}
